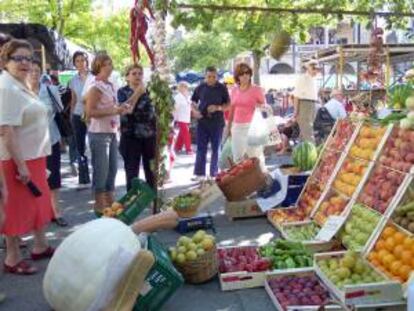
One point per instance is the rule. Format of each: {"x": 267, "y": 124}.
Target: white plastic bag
{"x": 271, "y": 122}
{"x": 258, "y": 131}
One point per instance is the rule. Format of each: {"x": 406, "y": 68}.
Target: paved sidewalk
{"x": 24, "y": 293}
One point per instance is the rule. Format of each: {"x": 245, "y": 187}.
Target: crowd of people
{"x": 32, "y": 131}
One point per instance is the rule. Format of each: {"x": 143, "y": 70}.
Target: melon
{"x": 305, "y": 155}
{"x": 280, "y": 44}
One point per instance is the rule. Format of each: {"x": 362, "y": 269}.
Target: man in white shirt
{"x": 305, "y": 98}
{"x": 335, "y": 105}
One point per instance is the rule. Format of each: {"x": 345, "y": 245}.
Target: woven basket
{"x": 187, "y": 213}
{"x": 245, "y": 183}
{"x": 202, "y": 269}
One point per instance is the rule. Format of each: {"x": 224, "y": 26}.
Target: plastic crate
{"x": 144, "y": 196}
{"x": 162, "y": 281}
{"x": 195, "y": 223}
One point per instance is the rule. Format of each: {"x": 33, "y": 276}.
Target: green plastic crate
{"x": 144, "y": 195}
{"x": 162, "y": 281}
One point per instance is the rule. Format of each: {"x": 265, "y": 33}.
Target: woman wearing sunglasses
{"x": 245, "y": 97}
{"x": 24, "y": 146}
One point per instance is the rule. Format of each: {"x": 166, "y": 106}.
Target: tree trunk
{"x": 257, "y": 55}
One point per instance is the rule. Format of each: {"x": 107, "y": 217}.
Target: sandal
{"x": 47, "y": 253}
{"x": 21, "y": 268}
{"x": 60, "y": 221}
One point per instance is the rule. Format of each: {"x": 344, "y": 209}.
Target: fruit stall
{"x": 348, "y": 241}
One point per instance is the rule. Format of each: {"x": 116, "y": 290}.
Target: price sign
{"x": 330, "y": 228}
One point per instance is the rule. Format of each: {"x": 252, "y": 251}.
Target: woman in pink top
{"x": 103, "y": 113}
{"x": 245, "y": 97}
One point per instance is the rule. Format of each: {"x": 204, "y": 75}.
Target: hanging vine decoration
{"x": 161, "y": 96}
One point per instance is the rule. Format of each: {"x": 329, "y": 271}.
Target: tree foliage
{"x": 200, "y": 49}
{"x": 78, "y": 21}
{"x": 252, "y": 31}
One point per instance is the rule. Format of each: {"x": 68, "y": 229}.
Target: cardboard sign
{"x": 330, "y": 228}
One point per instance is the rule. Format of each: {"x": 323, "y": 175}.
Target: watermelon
{"x": 304, "y": 156}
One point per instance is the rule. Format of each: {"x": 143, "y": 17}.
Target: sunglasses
{"x": 21, "y": 58}
{"x": 245, "y": 73}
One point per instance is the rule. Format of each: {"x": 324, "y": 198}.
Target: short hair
{"x": 211, "y": 69}
{"x": 77, "y": 54}
{"x": 240, "y": 69}
{"x": 12, "y": 46}
{"x": 99, "y": 62}
{"x": 129, "y": 68}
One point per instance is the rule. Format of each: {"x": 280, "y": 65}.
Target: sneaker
{"x": 198, "y": 178}
{"x": 81, "y": 187}
{"x": 73, "y": 170}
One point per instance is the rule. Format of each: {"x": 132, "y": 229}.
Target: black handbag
{"x": 83, "y": 170}
{"x": 62, "y": 117}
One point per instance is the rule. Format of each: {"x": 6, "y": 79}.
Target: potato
{"x": 410, "y": 227}
{"x": 405, "y": 222}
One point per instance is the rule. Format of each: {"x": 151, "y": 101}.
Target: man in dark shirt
{"x": 209, "y": 99}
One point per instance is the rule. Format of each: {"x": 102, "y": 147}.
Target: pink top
{"x": 109, "y": 124}
{"x": 244, "y": 103}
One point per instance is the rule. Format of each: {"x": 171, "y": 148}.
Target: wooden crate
{"x": 386, "y": 291}
{"x": 243, "y": 209}
{"x": 313, "y": 245}
{"x": 297, "y": 272}
{"x": 240, "y": 279}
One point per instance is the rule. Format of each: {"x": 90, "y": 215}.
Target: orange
{"x": 399, "y": 237}
{"x": 406, "y": 257}
{"x": 382, "y": 253}
{"x": 408, "y": 243}
{"x": 375, "y": 262}
{"x": 388, "y": 260}
{"x": 398, "y": 251}
{"x": 404, "y": 272}
{"x": 372, "y": 256}
{"x": 390, "y": 243}
{"x": 395, "y": 267}
{"x": 380, "y": 245}
{"x": 398, "y": 279}
{"x": 388, "y": 231}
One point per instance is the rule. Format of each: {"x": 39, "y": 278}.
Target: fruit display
{"x": 350, "y": 176}
{"x": 367, "y": 142}
{"x": 398, "y": 152}
{"x": 186, "y": 204}
{"x": 341, "y": 136}
{"x": 326, "y": 166}
{"x": 404, "y": 213}
{"x": 333, "y": 204}
{"x": 191, "y": 248}
{"x": 305, "y": 232}
{"x": 286, "y": 254}
{"x": 359, "y": 227}
{"x": 393, "y": 253}
{"x": 305, "y": 290}
{"x": 226, "y": 177}
{"x": 114, "y": 210}
{"x": 304, "y": 156}
{"x": 381, "y": 188}
{"x": 348, "y": 269}
{"x": 244, "y": 258}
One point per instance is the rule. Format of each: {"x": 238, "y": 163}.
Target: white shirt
{"x": 336, "y": 109}
{"x": 182, "y": 107}
{"x": 77, "y": 85}
{"x": 305, "y": 88}
{"x": 23, "y": 110}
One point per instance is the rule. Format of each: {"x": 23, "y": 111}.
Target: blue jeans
{"x": 206, "y": 134}
{"x": 104, "y": 151}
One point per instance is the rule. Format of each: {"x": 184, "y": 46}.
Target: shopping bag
{"x": 258, "y": 131}
{"x": 84, "y": 177}
{"x": 226, "y": 155}
{"x": 273, "y": 137}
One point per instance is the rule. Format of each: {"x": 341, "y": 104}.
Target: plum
{"x": 317, "y": 300}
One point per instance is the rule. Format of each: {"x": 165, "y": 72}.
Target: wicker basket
{"x": 245, "y": 183}
{"x": 187, "y": 213}
{"x": 202, "y": 269}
